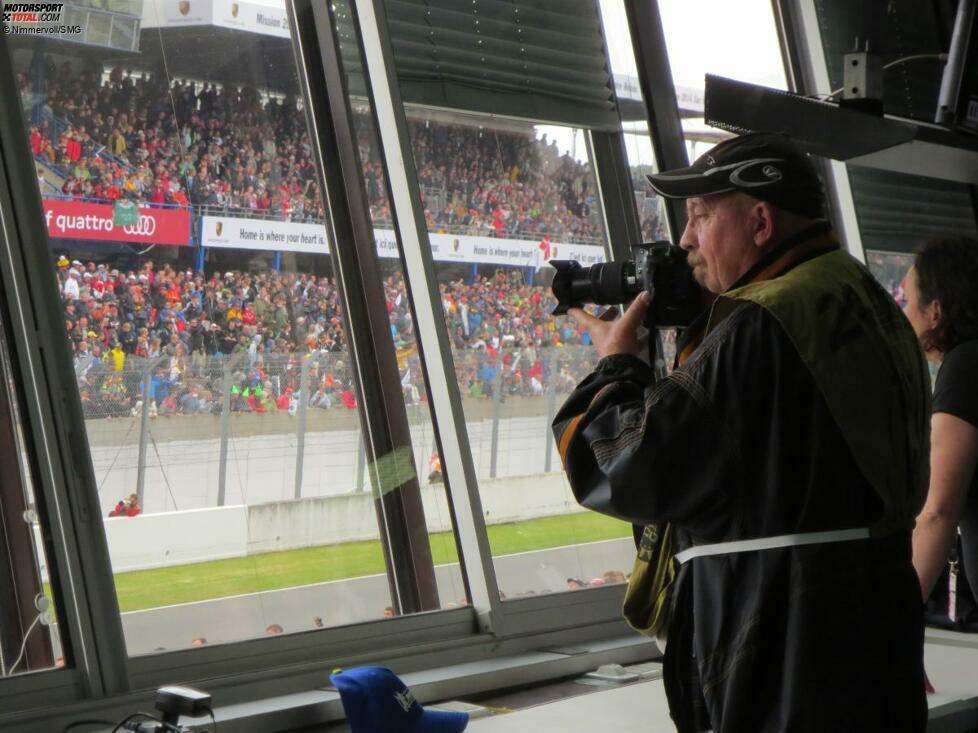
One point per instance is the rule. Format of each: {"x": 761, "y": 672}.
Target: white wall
{"x": 158, "y": 540}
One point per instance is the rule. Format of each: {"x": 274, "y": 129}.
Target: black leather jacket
{"x": 738, "y": 443}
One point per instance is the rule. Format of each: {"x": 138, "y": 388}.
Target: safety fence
{"x": 246, "y": 428}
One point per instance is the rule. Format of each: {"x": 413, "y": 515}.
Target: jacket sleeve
{"x": 657, "y": 452}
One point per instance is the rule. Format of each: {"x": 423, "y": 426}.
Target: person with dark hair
{"x": 942, "y": 306}
{"x": 777, "y": 470}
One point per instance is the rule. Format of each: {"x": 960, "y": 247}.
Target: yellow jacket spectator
{"x": 118, "y": 357}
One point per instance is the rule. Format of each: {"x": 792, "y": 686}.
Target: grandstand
{"x": 216, "y": 154}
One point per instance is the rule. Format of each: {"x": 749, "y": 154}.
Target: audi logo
{"x": 144, "y": 227}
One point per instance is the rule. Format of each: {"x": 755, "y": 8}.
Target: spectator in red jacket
{"x": 132, "y": 506}
{"x": 282, "y": 402}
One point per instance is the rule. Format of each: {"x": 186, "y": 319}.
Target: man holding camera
{"x": 777, "y": 471}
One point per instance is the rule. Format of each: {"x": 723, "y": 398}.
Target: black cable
{"x": 78, "y": 723}
{"x": 119, "y": 726}
{"x": 213, "y": 719}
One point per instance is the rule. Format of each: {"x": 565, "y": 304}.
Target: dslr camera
{"x": 658, "y": 268}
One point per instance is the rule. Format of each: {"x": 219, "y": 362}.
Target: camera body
{"x": 658, "y": 268}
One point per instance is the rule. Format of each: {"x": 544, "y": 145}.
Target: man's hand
{"x": 616, "y": 336}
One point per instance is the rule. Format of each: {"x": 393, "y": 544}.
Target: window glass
{"x": 694, "y": 49}
{"x": 718, "y": 46}
{"x": 890, "y": 268}
{"x": 187, "y": 231}
{"x": 502, "y": 196}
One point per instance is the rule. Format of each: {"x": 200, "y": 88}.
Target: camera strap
{"x": 770, "y": 543}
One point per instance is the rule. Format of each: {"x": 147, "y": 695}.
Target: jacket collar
{"x": 801, "y": 246}
{"x": 791, "y": 252}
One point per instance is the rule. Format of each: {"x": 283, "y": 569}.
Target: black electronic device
{"x": 174, "y": 701}
{"x": 658, "y": 268}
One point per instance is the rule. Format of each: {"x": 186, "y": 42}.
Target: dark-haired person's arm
{"x": 953, "y": 458}
{"x": 954, "y": 451}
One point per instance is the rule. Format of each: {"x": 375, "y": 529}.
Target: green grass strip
{"x": 274, "y": 570}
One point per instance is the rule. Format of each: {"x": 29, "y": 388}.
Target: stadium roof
{"x": 237, "y": 42}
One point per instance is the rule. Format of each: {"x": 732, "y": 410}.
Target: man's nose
{"x": 687, "y": 241}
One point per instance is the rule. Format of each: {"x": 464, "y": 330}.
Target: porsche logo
{"x": 218, "y": 228}
{"x": 234, "y": 10}
{"x": 455, "y": 245}
{"x": 184, "y": 7}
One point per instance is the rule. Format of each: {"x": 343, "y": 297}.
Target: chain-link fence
{"x": 243, "y": 429}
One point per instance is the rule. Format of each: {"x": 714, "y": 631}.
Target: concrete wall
{"x": 159, "y": 540}
{"x": 330, "y": 519}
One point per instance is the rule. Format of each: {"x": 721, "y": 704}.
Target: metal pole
{"x": 222, "y": 469}
{"x": 551, "y": 411}
{"x": 662, "y": 109}
{"x": 144, "y": 432}
{"x": 954, "y": 69}
{"x": 300, "y": 431}
{"x": 361, "y": 460}
{"x": 390, "y": 465}
{"x": 497, "y": 397}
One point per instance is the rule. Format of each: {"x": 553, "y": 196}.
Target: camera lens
{"x": 613, "y": 282}
{"x": 606, "y": 283}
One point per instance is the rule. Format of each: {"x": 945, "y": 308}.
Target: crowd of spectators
{"x": 162, "y": 141}
{"x": 184, "y": 326}
{"x": 146, "y": 139}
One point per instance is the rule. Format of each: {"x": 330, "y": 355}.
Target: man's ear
{"x": 762, "y": 223}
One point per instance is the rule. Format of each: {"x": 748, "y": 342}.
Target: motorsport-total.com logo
{"x": 35, "y": 19}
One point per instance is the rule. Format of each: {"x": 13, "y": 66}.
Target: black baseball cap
{"x": 767, "y": 166}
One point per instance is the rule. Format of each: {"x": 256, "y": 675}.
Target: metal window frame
{"x": 663, "y": 129}
{"x": 607, "y": 150}
{"x": 661, "y": 106}
{"x": 513, "y": 617}
{"x": 58, "y": 457}
{"x": 808, "y": 73}
{"x": 19, "y": 575}
{"x": 383, "y": 414}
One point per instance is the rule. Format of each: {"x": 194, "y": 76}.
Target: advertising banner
{"x": 262, "y": 234}
{"x": 286, "y": 236}
{"x": 265, "y": 17}
{"x": 67, "y": 219}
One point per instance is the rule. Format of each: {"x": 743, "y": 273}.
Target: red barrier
{"x": 68, "y": 219}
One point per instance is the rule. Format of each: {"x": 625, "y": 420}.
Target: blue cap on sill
{"x": 375, "y": 700}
